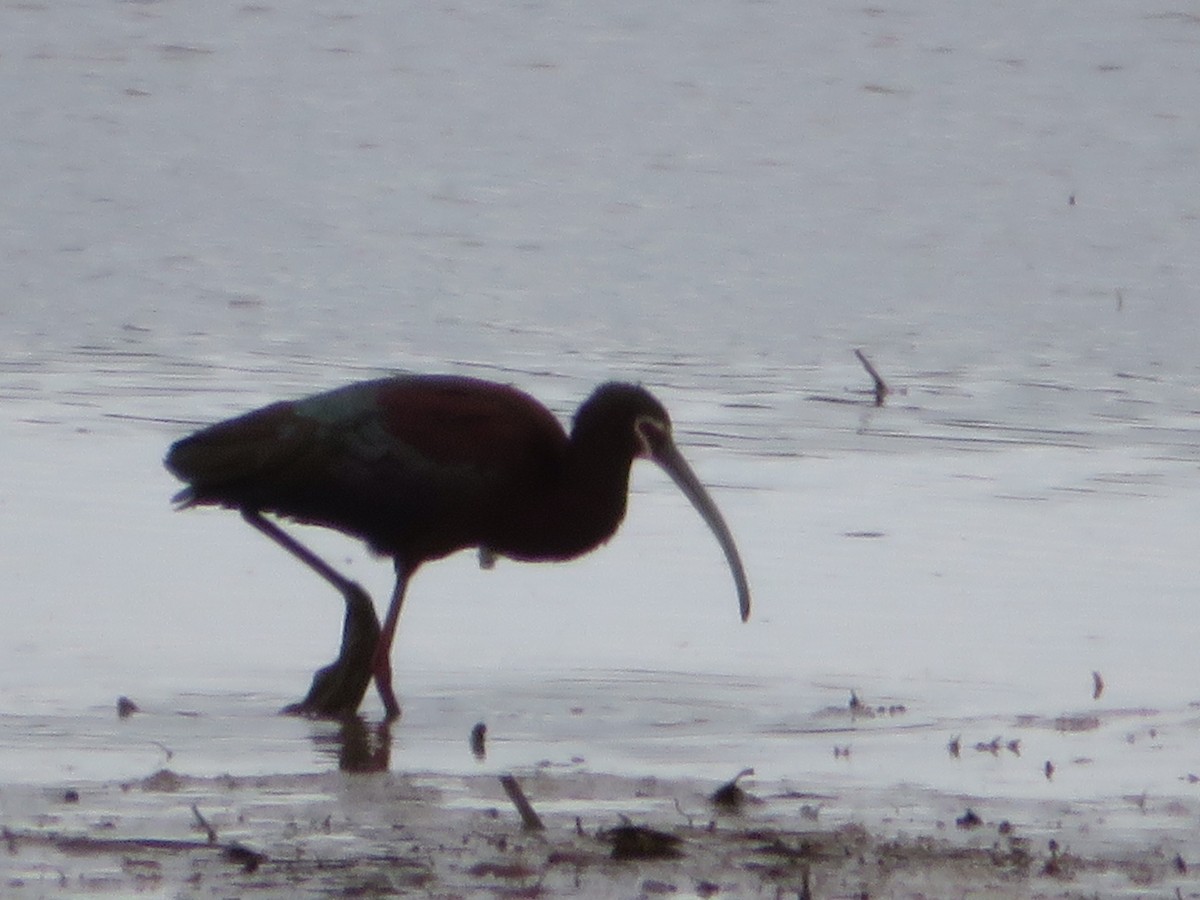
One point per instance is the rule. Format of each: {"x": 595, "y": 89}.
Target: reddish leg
{"x": 337, "y": 689}
{"x": 382, "y": 664}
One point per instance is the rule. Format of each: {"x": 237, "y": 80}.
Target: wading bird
{"x": 420, "y": 466}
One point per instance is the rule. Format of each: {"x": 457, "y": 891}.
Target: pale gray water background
{"x": 211, "y": 206}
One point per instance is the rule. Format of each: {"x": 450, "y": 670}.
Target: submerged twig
{"x": 881, "y": 388}
{"x": 879, "y": 391}
{"x": 805, "y": 887}
{"x": 203, "y": 822}
{"x": 529, "y": 817}
{"x": 233, "y": 852}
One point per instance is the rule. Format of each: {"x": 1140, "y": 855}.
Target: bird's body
{"x": 419, "y": 467}
{"x": 416, "y": 467}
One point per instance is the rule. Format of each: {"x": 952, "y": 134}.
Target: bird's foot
{"x": 391, "y": 709}
{"x": 335, "y": 693}
{"x": 381, "y": 668}
{"x": 338, "y": 688}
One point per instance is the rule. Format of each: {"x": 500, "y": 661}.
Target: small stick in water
{"x": 529, "y": 817}
{"x": 881, "y": 388}
{"x": 203, "y": 822}
{"x": 1097, "y": 685}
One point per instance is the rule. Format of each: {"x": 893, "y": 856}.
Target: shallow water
{"x": 218, "y": 210}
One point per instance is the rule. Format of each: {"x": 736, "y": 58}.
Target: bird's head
{"x": 632, "y": 410}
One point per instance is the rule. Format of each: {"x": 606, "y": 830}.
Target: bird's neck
{"x": 578, "y": 511}
{"x": 597, "y": 484}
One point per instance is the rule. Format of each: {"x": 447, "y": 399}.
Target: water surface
{"x": 213, "y": 211}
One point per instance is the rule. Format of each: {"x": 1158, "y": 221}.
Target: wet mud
{"x": 387, "y": 834}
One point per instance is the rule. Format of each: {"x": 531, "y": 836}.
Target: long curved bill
{"x": 673, "y": 463}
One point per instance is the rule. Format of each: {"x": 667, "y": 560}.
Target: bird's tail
{"x": 232, "y": 453}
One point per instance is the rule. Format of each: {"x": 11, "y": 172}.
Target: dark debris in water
{"x": 164, "y": 781}
{"x": 969, "y": 819}
{"x": 860, "y": 709}
{"x": 479, "y": 741}
{"x": 282, "y": 836}
{"x": 639, "y": 842}
{"x": 248, "y": 859}
{"x": 126, "y": 707}
{"x": 730, "y": 797}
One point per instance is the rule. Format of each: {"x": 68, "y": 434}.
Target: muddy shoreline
{"x": 337, "y": 834}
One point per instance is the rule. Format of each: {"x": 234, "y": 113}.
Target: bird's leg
{"x": 298, "y": 550}
{"x": 338, "y": 688}
{"x": 382, "y": 665}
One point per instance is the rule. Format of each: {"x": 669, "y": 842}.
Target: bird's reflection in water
{"x": 358, "y": 746}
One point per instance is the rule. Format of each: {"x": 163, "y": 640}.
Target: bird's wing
{"x": 218, "y": 461}
{"x": 463, "y": 423}
{"x": 379, "y": 459}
